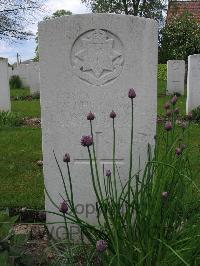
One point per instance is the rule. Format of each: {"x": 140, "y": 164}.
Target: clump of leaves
{"x": 15, "y": 82}
{"x": 12, "y": 246}
{"x": 196, "y": 114}
{"x": 179, "y": 38}
{"x": 162, "y": 72}
{"x": 9, "y": 119}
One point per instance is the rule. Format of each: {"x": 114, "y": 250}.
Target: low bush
{"x": 162, "y": 72}
{"x": 9, "y": 119}
{"x": 15, "y": 82}
{"x": 196, "y": 114}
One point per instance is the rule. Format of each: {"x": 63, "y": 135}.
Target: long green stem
{"x": 114, "y": 147}
{"x": 95, "y": 162}
{"x": 131, "y": 160}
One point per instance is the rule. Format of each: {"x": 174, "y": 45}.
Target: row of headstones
{"x": 5, "y": 104}
{"x": 176, "y": 80}
{"x": 29, "y": 75}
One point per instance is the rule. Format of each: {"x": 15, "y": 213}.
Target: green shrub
{"x": 162, "y": 72}
{"x": 9, "y": 119}
{"x": 196, "y": 114}
{"x": 15, "y": 82}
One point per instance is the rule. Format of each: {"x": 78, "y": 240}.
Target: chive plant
{"x": 153, "y": 219}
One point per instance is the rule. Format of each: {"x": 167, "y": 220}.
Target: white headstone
{"x": 33, "y": 77}
{"x": 193, "y": 83}
{"x": 175, "y": 76}
{"x": 4, "y": 86}
{"x": 22, "y": 71}
{"x": 88, "y": 62}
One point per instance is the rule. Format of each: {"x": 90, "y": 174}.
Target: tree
{"x": 179, "y": 38}
{"x": 143, "y": 8}
{"x": 15, "y": 16}
{"x": 56, "y": 14}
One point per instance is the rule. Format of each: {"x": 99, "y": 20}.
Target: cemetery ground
{"x": 20, "y": 149}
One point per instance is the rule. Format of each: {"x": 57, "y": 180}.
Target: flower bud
{"x": 168, "y": 126}
{"x": 63, "y": 207}
{"x": 108, "y": 173}
{"x": 66, "y": 158}
{"x": 168, "y": 113}
{"x": 189, "y": 116}
{"x": 101, "y": 245}
{"x": 86, "y": 141}
{"x": 112, "y": 114}
{"x": 164, "y": 195}
{"x": 178, "y": 151}
{"x": 176, "y": 111}
{"x": 174, "y": 100}
{"x": 90, "y": 116}
{"x": 167, "y": 105}
{"x": 131, "y": 93}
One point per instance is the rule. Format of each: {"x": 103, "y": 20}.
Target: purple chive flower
{"x": 178, "y": 151}
{"x": 108, "y": 173}
{"x": 164, "y": 195}
{"x": 86, "y": 141}
{"x": 168, "y": 126}
{"x": 90, "y": 116}
{"x": 66, "y": 158}
{"x": 131, "y": 93}
{"x": 176, "y": 111}
{"x": 63, "y": 207}
{"x": 101, "y": 245}
{"x": 183, "y": 124}
{"x": 167, "y": 105}
{"x": 112, "y": 114}
{"x": 174, "y": 100}
{"x": 168, "y": 113}
{"x": 189, "y": 116}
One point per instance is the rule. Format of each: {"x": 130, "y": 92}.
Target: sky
{"x": 26, "y": 49}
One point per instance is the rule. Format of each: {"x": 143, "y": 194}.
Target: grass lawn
{"x": 19, "y": 92}
{"x": 27, "y": 108}
{"x": 20, "y": 148}
{"x": 21, "y": 178}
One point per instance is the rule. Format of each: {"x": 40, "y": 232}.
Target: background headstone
{"x": 193, "y": 83}
{"x": 29, "y": 75}
{"x": 33, "y": 77}
{"x": 4, "y": 86}
{"x": 88, "y": 62}
{"x": 22, "y": 71}
{"x": 175, "y": 76}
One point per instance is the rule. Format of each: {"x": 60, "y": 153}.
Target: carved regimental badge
{"x": 97, "y": 57}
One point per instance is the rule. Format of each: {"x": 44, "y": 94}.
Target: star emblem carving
{"x": 97, "y": 54}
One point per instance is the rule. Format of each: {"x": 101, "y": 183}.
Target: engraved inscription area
{"x": 175, "y": 66}
{"x": 196, "y": 69}
{"x": 101, "y": 161}
{"x": 97, "y": 57}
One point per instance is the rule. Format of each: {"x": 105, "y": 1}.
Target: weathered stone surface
{"x": 193, "y": 83}
{"x": 175, "y": 76}
{"x": 22, "y": 71}
{"x": 33, "y": 77}
{"x": 88, "y": 62}
{"x": 4, "y": 86}
{"x": 29, "y": 75}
